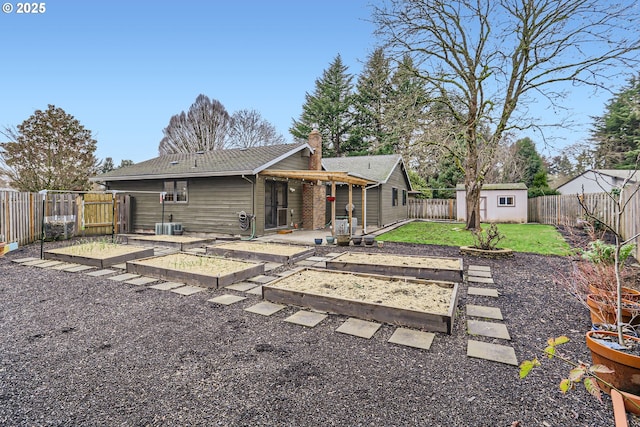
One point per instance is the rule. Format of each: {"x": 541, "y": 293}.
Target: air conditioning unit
{"x": 168, "y": 228}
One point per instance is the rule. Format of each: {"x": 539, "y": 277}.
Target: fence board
{"x": 444, "y": 209}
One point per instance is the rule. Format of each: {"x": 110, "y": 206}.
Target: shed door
{"x": 483, "y": 209}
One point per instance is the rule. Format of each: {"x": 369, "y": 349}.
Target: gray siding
{"x": 390, "y": 213}
{"x": 342, "y": 198}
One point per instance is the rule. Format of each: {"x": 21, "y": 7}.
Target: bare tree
{"x": 249, "y": 129}
{"x": 203, "y": 128}
{"x": 494, "y": 57}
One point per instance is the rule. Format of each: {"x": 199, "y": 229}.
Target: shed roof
{"x": 236, "y": 161}
{"x": 504, "y": 186}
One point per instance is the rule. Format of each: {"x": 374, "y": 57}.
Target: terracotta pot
{"x": 626, "y": 367}
{"x": 627, "y": 293}
{"x": 603, "y": 310}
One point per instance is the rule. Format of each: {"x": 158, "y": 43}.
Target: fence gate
{"x": 103, "y": 213}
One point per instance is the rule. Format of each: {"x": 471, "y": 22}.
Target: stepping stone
{"x": 256, "y": 291}
{"x": 488, "y": 329}
{"x": 64, "y": 266}
{"x": 484, "y": 274}
{"x": 227, "y": 299}
{"x": 123, "y": 277}
{"x": 23, "y": 260}
{"x": 270, "y": 266}
{"x": 262, "y": 279}
{"x": 35, "y": 262}
{"x": 265, "y": 308}
{"x": 78, "y": 268}
{"x": 475, "y": 279}
{"x": 305, "y": 263}
{"x": 484, "y": 311}
{"x": 333, "y": 254}
{"x": 100, "y": 273}
{"x": 141, "y": 281}
{"x": 122, "y": 266}
{"x": 484, "y": 292}
{"x": 306, "y": 318}
{"x": 359, "y": 328}
{"x": 166, "y": 286}
{"x": 322, "y": 264}
{"x": 412, "y": 338}
{"x": 201, "y": 251}
{"x": 49, "y": 264}
{"x": 317, "y": 258}
{"x": 493, "y": 352}
{"x": 289, "y": 272}
{"x": 479, "y": 268}
{"x": 187, "y": 290}
{"x": 241, "y": 286}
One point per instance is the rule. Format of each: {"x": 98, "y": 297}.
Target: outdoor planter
{"x": 318, "y": 241}
{"x": 98, "y": 254}
{"x": 603, "y": 310}
{"x": 357, "y": 240}
{"x": 263, "y": 251}
{"x": 486, "y": 253}
{"x": 626, "y": 367}
{"x": 181, "y": 243}
{"x": 330, "y": 240}
{"x": 343, "y": 239}
{"x": 368, "y": 240}
{"x": 627, "y": 293}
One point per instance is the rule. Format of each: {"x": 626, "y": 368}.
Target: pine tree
{"x": 50, "y": 150}
{"x": 330, "y": 110}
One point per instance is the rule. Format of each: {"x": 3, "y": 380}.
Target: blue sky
{"x": 123, "y": 68}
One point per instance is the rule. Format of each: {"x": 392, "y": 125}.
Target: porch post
{"x": 333, "y": 209}
{"x": 350, "y": 210}
{"x": 364, "y": 210}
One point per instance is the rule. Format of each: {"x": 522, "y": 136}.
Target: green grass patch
{"x": 535, "y": 238}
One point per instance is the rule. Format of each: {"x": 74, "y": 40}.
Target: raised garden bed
{"x": 271, "y": 252}
{"x": 416, "y": 303}
{"x": 432, "y": 268}
{"x": 197, "y": 270}
{"x": 98, "y": 254}
{"x": 181, "y": 243}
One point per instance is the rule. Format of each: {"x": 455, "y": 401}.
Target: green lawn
{"x": 535, "y": 238}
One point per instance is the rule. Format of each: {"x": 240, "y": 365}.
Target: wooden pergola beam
{"x": 317, "y": 176}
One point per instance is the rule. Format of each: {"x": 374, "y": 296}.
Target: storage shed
{"x": 498, "y": 203}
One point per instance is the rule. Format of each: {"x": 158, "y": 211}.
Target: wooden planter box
{"x": 431, "y": 268}
{"x": 277, "y": 292}
{"x": 181, "y": 243}
{"x": 289, "y": 254}
{"x": 188, "y": 276}
{"x": 98, "y": 260}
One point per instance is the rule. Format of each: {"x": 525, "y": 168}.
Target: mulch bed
{"x": 79, "y": 350}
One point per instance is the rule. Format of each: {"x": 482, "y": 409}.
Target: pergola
{"x": 332, "y": 177}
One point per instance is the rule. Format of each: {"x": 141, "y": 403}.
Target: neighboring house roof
{"x": 617, "y": 174}
{"x": 374, "y": 168}
{"x": 505, "y": 186}
{"x": 237, "y": 161}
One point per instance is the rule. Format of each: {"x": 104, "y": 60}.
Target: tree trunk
{"x": 472, "y": 200}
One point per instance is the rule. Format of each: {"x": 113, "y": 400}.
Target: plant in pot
{"x": 342, "y": 234}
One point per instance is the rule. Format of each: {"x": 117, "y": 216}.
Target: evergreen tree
{"x": 617, "y": 132}
{"x": 50, "y": 150}
{"x": 330, "y": 110}
{"x": 107, "y": 165}
{"x": 372, "y": 104}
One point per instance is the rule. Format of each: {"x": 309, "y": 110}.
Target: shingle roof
{"x": 505, "y": 186}
{"x": 237, "y": 161}
{"x": 374, "y": 168}
{"x": 619, "y": 173}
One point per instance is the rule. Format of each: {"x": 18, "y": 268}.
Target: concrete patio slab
{"x": 123, "y": 277}
{"x": 265, "y": 308}
{"x": 227, "y": 299}
{"x": 78, "y": 268}
{"x": 484, "y": 311}
{"x": 242, "y": 286}
{"x": 270, "y": 266}
{"x": 359, "y": 328}
{"x": 187, "y": 290}
{"x": 317, "y": 258}
{"x": 141, "y": 281}
{"x": 255, "y": 291}
{"x": 475, "y": 279}
{"x": 488, "y": 329}
{"x": 306, "y": 318}
{"x": 166, "y": 286}
{"x": 484, "y": 292}
{"x": 493, "y": 352}
{"x": 99, "y": 273}
{"x": 262, "y": 279}
{"x": 412, "y": 338}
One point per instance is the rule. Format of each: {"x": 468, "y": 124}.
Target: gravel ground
{"x": 78, "y": 350}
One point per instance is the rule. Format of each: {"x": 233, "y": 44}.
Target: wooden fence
{"x": 566, "y": 210}
{"x": 432, "y": 209}
{"x": 21, "y": 214}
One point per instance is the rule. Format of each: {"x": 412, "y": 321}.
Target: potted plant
{"x": 486, "y": 244}
{"x": 357, "y": 240}
{"x": 368, "y": 240}
{"x": 343, "y": 237}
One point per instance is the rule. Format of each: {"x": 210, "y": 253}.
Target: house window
{"x": 404, "y": 197}
{"x": 176, "y": 191}
{"x": 506, "y": 201}
{"x": 394, "y": 196}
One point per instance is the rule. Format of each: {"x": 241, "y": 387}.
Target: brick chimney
{"x": 314, "y": 194}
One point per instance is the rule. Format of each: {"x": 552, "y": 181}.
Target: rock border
{"x": 494, "y": 254}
